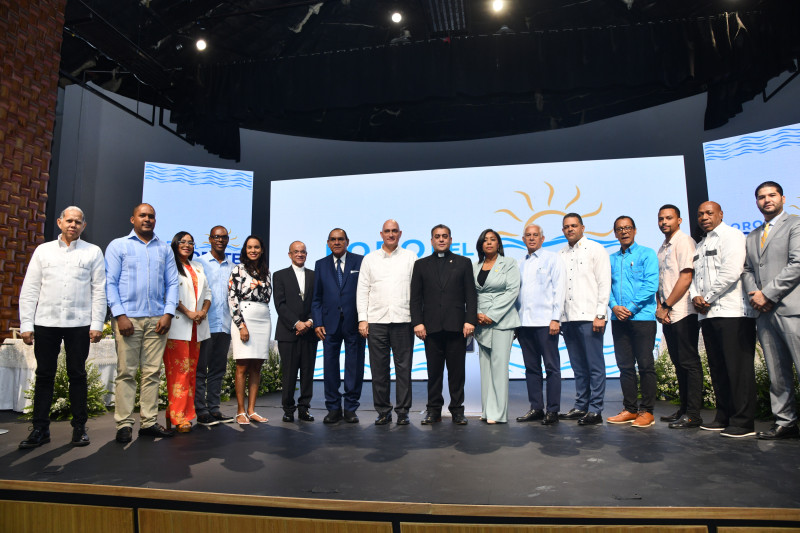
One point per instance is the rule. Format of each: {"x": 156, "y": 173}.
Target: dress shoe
{"x": 530, "y": 416}
{"x": 207, "y": 420}
{"x": 288, "y": 417}
{"x": 431, "y": 418}
{"x": 402, "y": 420}
{"x": 37, "y": 437}
{"x": 674, "y": 417}
{"x": 125, "y": 434}
{"x": 590, "y": 419}
{"x": 737, "y": 432}
{"x": 156, "y": 430}
{"x": 382, "y": 420}
{"x": 332, "y": 417}
{"x": 686, "y": 422}
{"x": 713, "y": 426}
{"x": 351, "y": 417}
{"x": 550, "y": 418}
{"x": 573, "y": 414}
{"x": 624, "y": 417}
{"x": 644, "y": 420}
{"x": 79, "y": 436}
{"x": 778, "y": 432}
{"x": 220, "y": 418}
{"x": 305, "y": 416}
{"x": 460, "y": 419}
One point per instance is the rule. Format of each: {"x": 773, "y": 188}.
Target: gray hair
{"x": 73, "y": 208}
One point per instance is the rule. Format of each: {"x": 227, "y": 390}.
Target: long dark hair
{"x": 175, "y": 240}
{"x": 258, "y": 268}
{"x": 479, "y": 245}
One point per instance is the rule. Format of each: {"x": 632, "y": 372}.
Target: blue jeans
{"x": 585, "y": 348}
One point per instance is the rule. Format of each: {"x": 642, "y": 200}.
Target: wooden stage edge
{"x": 408, "y": 508}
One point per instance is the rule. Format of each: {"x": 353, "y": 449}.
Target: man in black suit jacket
{"x": 297, "y": 342}
{"x": 444, "y": 311}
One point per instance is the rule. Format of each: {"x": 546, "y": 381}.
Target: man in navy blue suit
{"x": 334, "y": 313}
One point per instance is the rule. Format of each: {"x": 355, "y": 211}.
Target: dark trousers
{"x": 445, "y": 348}
{"x": 730, "y": 346}
{"x": 46, "y": 347}
{"x": 399, "y": 339}
{"x": 354, "y": 348}
{"x": 538, "y": 345}
{"x": 682, "y": 337}
{"x": 211, "y": 366}
{"x": 585, "y": 349}
{"x": 634, "y": 342}
{"x": 299, "y": 355}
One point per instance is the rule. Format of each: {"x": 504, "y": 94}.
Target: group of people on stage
{"x": 168, "y": 306}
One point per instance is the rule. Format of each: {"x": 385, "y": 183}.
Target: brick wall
{"x": 30, "y": 44}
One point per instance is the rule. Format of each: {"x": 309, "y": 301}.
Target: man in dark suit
{"x": 333, "y": 311}
{"x": 297, "y": 342}
{"x": 772, "y": 281}
{"x": 444, "y": 311}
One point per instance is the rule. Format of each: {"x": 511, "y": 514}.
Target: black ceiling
{"x": 450, "y": 70}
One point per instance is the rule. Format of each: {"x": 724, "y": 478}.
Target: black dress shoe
{"x": 778, "y": 432}
{"x": 431, "y": 418}
{"x": 79, "y": 436}
{"x": 550, "y": 418}
{"x": 305, "y": 416}
{"x": 156, "y": 430}
{"x": 685, "y": 422}
{"x": 382, "y": 420}
{"x": 125, "y": 434}
{"x": 573, "y": 414}
{"x": 351, "y": 417}
{"x": 590, "y": 419}
{"x": 37, "y": 437}
{"x": 288, "y": 417}
{"x": 220, "y": 418}
{"x": 674, "y": 417}
{"x": 332, "y": 417}
{"x": 530, "y": 416}
{"x": 402, "y": 420}
{"x": 460, "y": 419}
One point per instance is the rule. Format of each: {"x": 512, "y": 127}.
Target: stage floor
{"x": 510, "y": 464}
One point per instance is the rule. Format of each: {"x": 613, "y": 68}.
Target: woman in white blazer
{"x": 497, "y": 283}
{"x": 189, "y": 328}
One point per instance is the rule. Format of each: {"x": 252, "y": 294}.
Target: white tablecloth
{"x": 17, "y": 367}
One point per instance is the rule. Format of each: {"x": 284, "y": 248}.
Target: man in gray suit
{"x": 771, "y": 278}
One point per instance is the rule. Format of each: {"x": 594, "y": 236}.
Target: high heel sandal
{"x": 246, "y": 419}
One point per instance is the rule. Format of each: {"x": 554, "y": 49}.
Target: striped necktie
{"x": 764, "y": 235}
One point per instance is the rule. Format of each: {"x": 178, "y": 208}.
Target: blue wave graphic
{"x": 752, "y": 144}
{"x": 222, "y": 179}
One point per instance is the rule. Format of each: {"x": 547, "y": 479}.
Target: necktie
{"x": 764, "y": 235}
{"x": 339, "y": 273}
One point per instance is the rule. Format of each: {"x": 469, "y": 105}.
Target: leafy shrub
{"x": 271, "y": 377}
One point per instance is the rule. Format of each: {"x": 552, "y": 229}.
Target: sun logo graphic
{"x": 794, "y": 208}
{"x": 512, "y": 239}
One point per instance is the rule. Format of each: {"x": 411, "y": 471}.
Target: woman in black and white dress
{"x": 249, "y": 291}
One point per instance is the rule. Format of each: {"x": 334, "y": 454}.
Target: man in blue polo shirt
{"x": 634, "y": 282}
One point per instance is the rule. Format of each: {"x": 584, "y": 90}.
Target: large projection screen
{"x": 736, "y": 165}
{"x": 470, "y": 200}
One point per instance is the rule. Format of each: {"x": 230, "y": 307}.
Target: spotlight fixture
{"x": 397, "y": 17}
{"x": 201, "y": 44}
{"x": 498, "y": 5}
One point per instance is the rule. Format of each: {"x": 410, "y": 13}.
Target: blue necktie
{"x": 339, "y": 273}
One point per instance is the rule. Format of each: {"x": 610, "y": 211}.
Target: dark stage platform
{"x": 510, "y": 465}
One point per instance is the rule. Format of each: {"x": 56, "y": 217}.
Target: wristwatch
{"x": 601, "y": 317}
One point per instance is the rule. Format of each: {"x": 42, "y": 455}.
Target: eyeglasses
{"x": 623, "y": 229}
{"x": 218, "y": 238}
{"x": 185, "y": 243}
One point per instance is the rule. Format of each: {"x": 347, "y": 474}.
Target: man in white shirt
{"x": 541, "y": 298}
{"x": 63, "y": 298}
{"x": 384, "y": 319}
{"x": 583, "y": 319}
{"x": 726, "y": 318}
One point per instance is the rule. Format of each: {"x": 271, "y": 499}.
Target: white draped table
{"x": 17, "y": 367}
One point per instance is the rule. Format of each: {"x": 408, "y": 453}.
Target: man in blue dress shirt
{"x": 142, "y": 291}
{"x": 634, "y": 282}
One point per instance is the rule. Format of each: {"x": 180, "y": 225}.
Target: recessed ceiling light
{"x": 201, "y": 44}
{"x": 396, "y": 17}
{"x": 498, "y": 5}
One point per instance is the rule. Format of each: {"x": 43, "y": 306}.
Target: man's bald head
{"x": 709, "y": 216}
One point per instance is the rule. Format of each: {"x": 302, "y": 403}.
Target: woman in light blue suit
{"x": 497, "y": 283}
